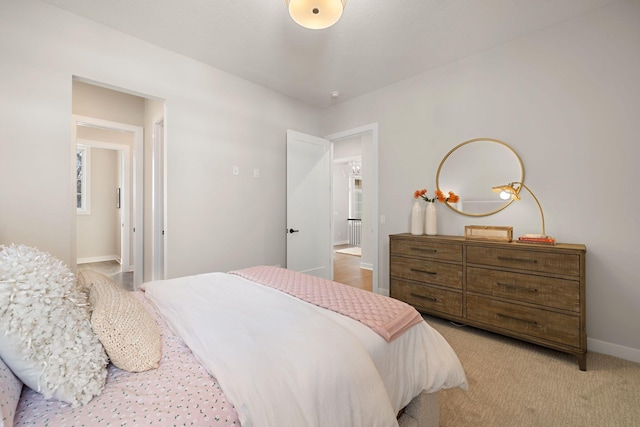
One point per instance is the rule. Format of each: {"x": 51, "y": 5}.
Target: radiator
{"x": 354, "y": 229}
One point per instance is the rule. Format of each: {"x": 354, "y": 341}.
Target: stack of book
{"x": 537, "y": 238}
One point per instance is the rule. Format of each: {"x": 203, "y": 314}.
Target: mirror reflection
{"x": 472, "y": 168}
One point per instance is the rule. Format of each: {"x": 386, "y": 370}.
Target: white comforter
{"x": 264, "y": 348}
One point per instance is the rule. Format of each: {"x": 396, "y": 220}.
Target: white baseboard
{"x": 366, "y": 265}
{"x": 341, "y": 242}
{"x": 616, "y": 350}
{"x": 102, "y": 258}
{"x": 383, "y": 291}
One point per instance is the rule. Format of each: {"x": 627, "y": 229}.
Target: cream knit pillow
{"x": 125, "y": 328}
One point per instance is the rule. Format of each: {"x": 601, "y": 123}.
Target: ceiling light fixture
{"x": 316, "y": 14}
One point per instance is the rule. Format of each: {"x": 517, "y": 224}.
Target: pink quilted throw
{"x": 388, "y": 317}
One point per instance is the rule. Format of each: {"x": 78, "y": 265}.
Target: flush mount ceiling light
{"x": 316, "y": 14}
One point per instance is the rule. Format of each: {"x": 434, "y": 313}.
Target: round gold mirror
{"x": 472, "y": 169}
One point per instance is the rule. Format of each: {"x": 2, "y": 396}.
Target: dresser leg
{"x": 582, "y": 361}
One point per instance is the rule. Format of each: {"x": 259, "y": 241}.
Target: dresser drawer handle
{"x": 516, "y": 287}
{"x": 423, "y": 250}
{"x": 415, "y": 270}
{"x": 531, "y": 322}
{"x": 514, "y": 259}
{"x": 424, "y": 297}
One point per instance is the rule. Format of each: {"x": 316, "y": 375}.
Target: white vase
{"x": 430, "y": 219}
{"x": 416, "y": 219}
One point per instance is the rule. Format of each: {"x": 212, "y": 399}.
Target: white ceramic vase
{"x": 417, "y": 224}
{"x": 430, "y": 219}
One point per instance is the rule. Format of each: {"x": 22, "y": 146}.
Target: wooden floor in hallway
{"x": 346, "y": 269}
{"x": 113, "y": 270}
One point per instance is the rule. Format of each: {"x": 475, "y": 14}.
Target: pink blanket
{"x": 388, "y": 317}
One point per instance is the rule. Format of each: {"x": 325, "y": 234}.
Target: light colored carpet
{"x": 355, "y": 250}
{"x": 512, "y": 383}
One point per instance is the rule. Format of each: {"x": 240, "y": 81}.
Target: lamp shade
{"x": 508, "y": 190}
{"x": 316, "y": 14}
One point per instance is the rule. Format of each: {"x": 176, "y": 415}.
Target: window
{"x": 83, "y": 164}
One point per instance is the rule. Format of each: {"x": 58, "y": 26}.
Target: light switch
{"x": 236, "y": 170}
{"x": 256, "y": 173}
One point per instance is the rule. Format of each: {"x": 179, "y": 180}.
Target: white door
{"x": 309, "y": 205}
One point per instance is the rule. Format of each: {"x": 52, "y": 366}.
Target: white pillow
{"x": 49, "y": 343}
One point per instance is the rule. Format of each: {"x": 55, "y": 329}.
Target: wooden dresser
{"x": 531, "y": 292}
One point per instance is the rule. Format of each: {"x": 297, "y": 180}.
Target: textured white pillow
{"x": 49, "y": 343}
{"x": 125, "y": 328}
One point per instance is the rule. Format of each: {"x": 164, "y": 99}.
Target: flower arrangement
{"x": 439, "y": 196}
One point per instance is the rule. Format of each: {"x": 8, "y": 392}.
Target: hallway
{"x": 346, "y": 269}
{"x": 113, "y": 270}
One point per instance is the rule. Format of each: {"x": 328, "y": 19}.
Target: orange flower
{"x": 450, "y": 198}
{"x": 422, "y": 193}
{"x": 419, "y": 193}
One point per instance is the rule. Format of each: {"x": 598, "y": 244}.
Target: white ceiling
{"x": 376, "y": 43}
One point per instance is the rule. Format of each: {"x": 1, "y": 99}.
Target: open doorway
{"x": 347, "y": 193}
{"x": 136, "y": 121}
{"x": 109, "y": 198}
{"x": 103, "y": 174}
{"x": 355, "y": 207}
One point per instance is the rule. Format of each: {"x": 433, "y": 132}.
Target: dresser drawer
{"x": 547, "y": 291}
{"x": 547, "y": 262}
{"x": 426, "y": 249}
{"x": 425, "y": 271}
{"x": 427, "y": 298}
{"x": 558, "y": 328}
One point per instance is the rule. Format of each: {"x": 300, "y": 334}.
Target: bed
{"x": 252, "y": 347}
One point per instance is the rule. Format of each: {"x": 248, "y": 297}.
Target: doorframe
{"x": 124, "y": 160}
{"x": 158, "y": 198}
{"x": 137, "y": 221}
{"x": 349, "y": 133}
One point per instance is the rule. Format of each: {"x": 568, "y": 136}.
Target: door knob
{"x": 291, "y": 230}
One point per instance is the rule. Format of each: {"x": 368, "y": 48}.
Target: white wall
{"x": 106, "y": 104}
{"x": 567, "y": 99}
{"x": 215, "y": 221}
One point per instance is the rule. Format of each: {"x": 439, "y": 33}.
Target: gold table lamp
{"x": 512, "y": 189}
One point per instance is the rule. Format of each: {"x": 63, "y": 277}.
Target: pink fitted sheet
{"x": 180, "y": 392}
